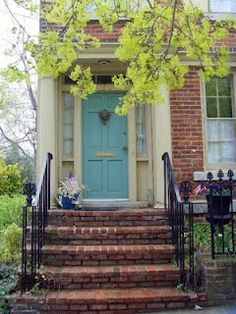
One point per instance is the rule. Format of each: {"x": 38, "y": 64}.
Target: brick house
{"x": 121, "y": 261}
{"x": 121, "y": 159}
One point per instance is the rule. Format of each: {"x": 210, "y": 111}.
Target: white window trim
{"x": 215, "y": 166}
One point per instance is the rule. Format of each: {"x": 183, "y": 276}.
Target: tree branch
{"x": 13, "y": 142}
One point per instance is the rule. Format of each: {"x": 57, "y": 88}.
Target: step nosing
{"x": 108, "y": 229}
{"x": 120, "y": 295}
{"x": 108, "y": 248}
{"x": 118, "y": 269}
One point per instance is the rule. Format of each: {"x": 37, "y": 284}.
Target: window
{"x": 222, "y": 6}
{"x": 141, "y": 142}
{"x": 68, "y": 125}
{"x": 220, "y": 121}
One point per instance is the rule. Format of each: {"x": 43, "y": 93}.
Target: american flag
{"x": 70, "y": 181}
{"x": 201, "y": 187}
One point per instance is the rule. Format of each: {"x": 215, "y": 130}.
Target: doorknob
{"x": 125, "y": 148}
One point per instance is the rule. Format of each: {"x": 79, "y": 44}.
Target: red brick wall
{"x": 230, "y": 41}
{"x": 96, "y": 30}
{"x": 186, "y": 127}
{"x": 92, "y": 28}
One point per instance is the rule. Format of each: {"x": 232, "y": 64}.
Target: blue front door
{"x": 105, "y": 151}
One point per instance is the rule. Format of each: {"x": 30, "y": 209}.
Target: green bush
{"x": 202, "y": 237}
{"x": 11, "y": 240}
{"x": 8, "y": 283}
{"x": 10, "y": 182}
{"x": 11, "y": 210}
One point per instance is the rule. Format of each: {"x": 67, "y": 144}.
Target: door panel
{"x": 95, "y": 175}
{"x": 115, "y": 167}
{"x": 105, "y": 161}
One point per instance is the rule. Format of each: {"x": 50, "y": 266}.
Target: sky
{"x": 6, "y": 24}
{"x": 6, "y": 40}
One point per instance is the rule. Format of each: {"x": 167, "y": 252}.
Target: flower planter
{"x": 218, "y": 209}
{"x": 68, "y": 192}
{"x": 66, "y": 202}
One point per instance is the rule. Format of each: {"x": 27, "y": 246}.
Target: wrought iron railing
{"x": 221, "y": 213}
{"x": 176, "y": 208}
{"x": 34, "y": 222}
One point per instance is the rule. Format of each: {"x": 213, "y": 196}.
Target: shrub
{"x": 202, "y": 237}
{"x": 11, "y": 238}
{"x": 8, "y": 283}
{"x": 11, "y": 210}
{"x": 10, "y": 182}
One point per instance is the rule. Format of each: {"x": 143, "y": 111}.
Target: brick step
{"x": 107, "y": 301}
{"x": 108, "y": 235}
{"x": 94, "y": 255}
{"x": 130, "y": 276}
{"x": 121, "y": 217}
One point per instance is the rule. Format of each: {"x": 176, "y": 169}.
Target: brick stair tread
{"x": 51, "y": 229}
{"x": 120, "y": 212}
{"x": 101, "y": 296}
{"x": 108, "y": 249}
{"x": 105, "y": 271}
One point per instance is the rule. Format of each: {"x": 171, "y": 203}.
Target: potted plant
{"x": 68, "y": 195}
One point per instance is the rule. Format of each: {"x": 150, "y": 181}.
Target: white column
{"x": 47, "y": 139}
{"x": 161, "y": 143}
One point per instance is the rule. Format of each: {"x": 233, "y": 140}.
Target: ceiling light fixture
{"x": 104, "y": 62}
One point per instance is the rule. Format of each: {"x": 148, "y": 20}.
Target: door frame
{"x": 78, "y": 142}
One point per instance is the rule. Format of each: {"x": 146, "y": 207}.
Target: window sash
{"x": 216, "y": 98}
{"x": 221, "y": 132}
{"x": 68, "y": 125}
{"x": 221, "y": 140}
{"x": 141, "y": 131}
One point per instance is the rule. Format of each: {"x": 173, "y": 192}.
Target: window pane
{"x": 213, "y": 155}
{"x": 224, "y": 86}
{"x": 222, "y": 6}
{"x": 227, "y": 130}
{"x": 141, "y": 141}
{"x": 212, "y": 130}
{"x": 68, "y": 125}
{"x": 211, "y": 108}
{"x": 228, "y": 151}
{"x": 221, "y": 141}
{"x": 225, "y": 107}
{"x": 211, "y": 87}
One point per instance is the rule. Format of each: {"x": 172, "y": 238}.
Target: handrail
{"x": 166, "y": 159}
{"x": 48, "y": 157}
{"x": 175, "y": 209}
{"x": 37, "y": 210}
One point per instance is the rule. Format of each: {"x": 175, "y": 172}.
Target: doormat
{"x": 99, "y": 208}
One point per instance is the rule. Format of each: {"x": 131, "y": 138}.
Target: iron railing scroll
{"x": 176, "y": 208}
{"x": 34, "y": 222}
